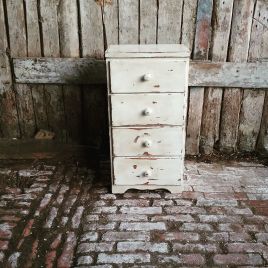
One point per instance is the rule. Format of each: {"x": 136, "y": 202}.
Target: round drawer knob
{"x": 147, "y": 111}
{"x": 147, "y": 173}
{"x": 147, "y": 143}
{"x": 147, "y": 77}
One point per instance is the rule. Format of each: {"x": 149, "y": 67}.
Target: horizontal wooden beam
{"x": 91, "y": 71}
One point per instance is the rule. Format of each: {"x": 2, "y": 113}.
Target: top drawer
{"x": 148, "y": 75}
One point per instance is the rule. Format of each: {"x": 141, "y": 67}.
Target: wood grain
{"x": 262, "y": 143}
{"x": 128, "y": 21}
{"x": 250, "y": 119}
{"x": 213, "y": 96}
{"x": 51, "y": 48}
{"x": 18, "y": 48}
{"x": 196, "y": 96}
{"x": 238, "y": 52}
{"x": 9, "y": 127}
{"x": 169, "y": 21}
{"x": 34, "y": 50}
{"x": 91, "y": 71}
{"x": 148, "y": 21}
{"x": 69, "y": 46}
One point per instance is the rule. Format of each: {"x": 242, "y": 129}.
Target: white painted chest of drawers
{"x": 147, "y": 97}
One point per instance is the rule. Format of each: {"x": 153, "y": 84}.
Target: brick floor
{"x": 63, "y": 215}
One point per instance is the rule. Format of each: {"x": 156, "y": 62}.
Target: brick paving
{"x": 63, "y": 215}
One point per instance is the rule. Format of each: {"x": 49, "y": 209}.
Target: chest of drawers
{"x": 147, "y": 98}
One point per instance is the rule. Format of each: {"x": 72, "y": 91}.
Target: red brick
{"x": 123, "y": 258}
{"x": 192, "y": 195}
{"x": 240, "y": 196}
{"x": 142, "y": 226}
{"x": 65, "y": 259}
{"x": 126, "y": 236}
{"x": 50, "y": 258}
{"x": 220, "y": 196}
{"x": 76, "y": 219}
{"x": 56, "y": 242}
{"x": 246, "y": 247}
{"x": 131, "y": 202}
{"x": 176, "y": 218}
{"x": 220, "y": 218}
{"x": 163, "y": 202}
{"x": 238, "y": 259}
{"x": 50, "y": 219}
{"x": 28, "y": 228}
{"x": 180, "y": 236}
{"x": 3, "y": 245}
{"x": 239, "y": 237}
{"x": 217, "y": 237}
{"x": 203, "y": 227}
{"x": 9, "y": 218}
{"x": 184, "y": 209}
{"x": 188, "y": 259}
{"x": 195, "y": 248}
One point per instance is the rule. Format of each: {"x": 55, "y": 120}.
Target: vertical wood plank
{"x": 34, "y": 50}
{"x": 238, "y": 52}
{"x": 188, "y": 23}
{"x": 213, "y": 96}
{"x": 94, "y": 97}
{"x": 18, "y": 48}
{"x": 69, "y": 45}
{"x": 148, "y": 21}
{"x": 196, "y": 96}
{"x": 128, "y": 21}
{"x": 51, "y": 47}
{"x": 169, "y": 21}
{"x": 250, "y": 118}
{"x": 110, "y": 20}
{"x": 9, "y": 127}
{"x": 261, "y": 20}
{"x": 91, "y": 29}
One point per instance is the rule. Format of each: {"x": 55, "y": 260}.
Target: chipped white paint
{"x": 139, "y": 75}
{"x": 147, "y": 109}
{"x": 147, "y": 171}
{"x": 147, "y": 141}
{"x": 147, "y": 118}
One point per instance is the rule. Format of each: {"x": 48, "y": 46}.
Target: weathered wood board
{"x": 213, "y": 96}
{"x": 91, "y": 71}
{"x": 238, "y": 52}
{"x": 196, "y": 94}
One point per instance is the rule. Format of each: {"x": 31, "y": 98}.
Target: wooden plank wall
{"x": 228, "y": 119}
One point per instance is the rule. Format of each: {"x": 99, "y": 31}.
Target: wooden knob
{"x": 147, "y": 77}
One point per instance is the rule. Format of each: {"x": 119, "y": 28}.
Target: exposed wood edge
{"x": 45, "y": 149}
{"x": 91, "y": 71}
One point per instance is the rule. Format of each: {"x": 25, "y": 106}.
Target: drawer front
{"x": 153, "y": 171}
{"x": 148, "y": 141}
{"x": 147, "y": 109}
{"x": 148, "y": 75}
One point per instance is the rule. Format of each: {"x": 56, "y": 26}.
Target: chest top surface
{"x": 145, "y": 51}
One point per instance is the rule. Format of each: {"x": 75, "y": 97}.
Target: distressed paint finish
{"x": 169, "y": 21}
{"x": 128, "y": 75}
{"x": 148, "y": 21}
{"x": 18, "y": 48}
{"x": 8, "y": 113}
{"x": 238, "y": 52}
{"x": 140, "y": 141}
{"x": 196, "y": 96}
{"x": 34, "y": 50}
{"x": 90, "y": 71}
{"x": 69, "y": 47}
{"x": 147, "y": 130}
{"x": 128, "y": 21}
{"x": 51, "y": 48}
{"x": 250, "y": 119}
{"x": 131, "y": 171}
{"x": 213, "y": 96}
{"x": 128, "y": 109}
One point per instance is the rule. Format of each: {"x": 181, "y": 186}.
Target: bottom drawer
{"x": 148, "y": 171}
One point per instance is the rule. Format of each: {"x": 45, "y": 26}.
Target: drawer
{"x": 147, "y": 109}
{"x": 148, "y": 75}
{"x": 148, "y": 141}
{"x": 152, "y": 171}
